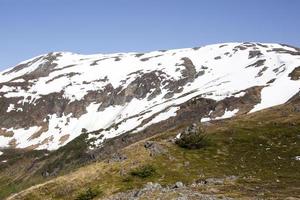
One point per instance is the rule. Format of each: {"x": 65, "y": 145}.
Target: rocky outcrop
{"x": 178, "y": 191}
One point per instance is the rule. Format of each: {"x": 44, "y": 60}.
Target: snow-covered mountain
{"x": 51, "y": 99}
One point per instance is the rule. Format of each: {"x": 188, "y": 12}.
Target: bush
{"x": 143, "y": 172}
{"x": 89, "y": 194}
{"x": 194, "y": 140}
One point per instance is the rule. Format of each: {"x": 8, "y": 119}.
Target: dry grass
{"x": 234, "y": 140}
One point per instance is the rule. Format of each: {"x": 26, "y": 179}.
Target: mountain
{"x": 253, "y": 156}
{"x": 51, "y": 99}
{"x": 103, "y": 126}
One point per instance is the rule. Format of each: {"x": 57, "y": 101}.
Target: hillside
{"x": 105, "y": 125}
{"x": 248, "y": 157}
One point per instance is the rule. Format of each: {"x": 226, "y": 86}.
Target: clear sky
{"x": 32, "y": 27}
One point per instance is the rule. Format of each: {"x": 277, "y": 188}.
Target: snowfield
{"x": 221, "y": 71}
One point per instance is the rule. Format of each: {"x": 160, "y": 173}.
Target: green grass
{"x": 16, "y": 176}
{"x": 143, "y": 171}
{"x": 88, "y": 194}
{"x": 260, "y": 156}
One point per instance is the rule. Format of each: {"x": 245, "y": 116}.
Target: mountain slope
{"x": 249, "y": 157}
{"x": 49, "y": 100}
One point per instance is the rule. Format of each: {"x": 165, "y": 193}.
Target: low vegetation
{"x": 194, "y": 140}
{"x": 143, "y": 172}
{"x": 89, "y": 194}
{"x": 258, "y": 149}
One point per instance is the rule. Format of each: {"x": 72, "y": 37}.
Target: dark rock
{"x": 154, "y": 148}
{"x": 296, "y": 108}
{"x": 253, "y": 54}
{"x": 295, "y": 74}
{"x": 137, "y": 193}
{"x": 257, "y": 63}
{"x": 117, "y": 157}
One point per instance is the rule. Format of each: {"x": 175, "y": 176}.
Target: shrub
{"x": 143, "y": 172}
{"x": 89, "y": 194}
{"x": 194, "y": 140}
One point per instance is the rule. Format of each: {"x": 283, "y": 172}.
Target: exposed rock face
{"x": 49, "y": 100}
{"x": 295, "y": 74}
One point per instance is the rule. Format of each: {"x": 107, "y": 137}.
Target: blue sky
{"x": 32, "y": 27}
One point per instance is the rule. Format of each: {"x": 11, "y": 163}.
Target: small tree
{"x": 143, "y": 172}
{"x": 192, "y": 138}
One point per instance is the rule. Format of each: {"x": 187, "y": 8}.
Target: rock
{"x": 200, "y": 182}
{"x": 186, "y": 163}
{"x": 157, "y": 186}
{"x": 178, "y": 185}
{"x": 45, "y": 174}
{"x": 213, "y": 190}
{"x": 53, "y": 172}
{"x": 214, "y": 181}
{"x": 152, "y": 186}
{"x": 156, "y": 191}
{"x": 192, "y": 129}
{"x": 172, "y": 140}
{"x": 182, "y": 198}
{"x": 117, "y": 157}
{"x": 154, "y": 148}
{"x": 148, "y": 144}
{"x": 231, "y": 178}
{"x": 138, "y": 193}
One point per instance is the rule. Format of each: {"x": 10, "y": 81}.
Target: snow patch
{"x": 10, "y": 107}
{"x": 228, "y": 114}
{"x": 240, "y": 94}
{"x": 205, "y": 119}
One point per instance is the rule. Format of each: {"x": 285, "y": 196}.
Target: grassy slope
{"x": 259, "y": 148}
{"x": 25, "y": 168}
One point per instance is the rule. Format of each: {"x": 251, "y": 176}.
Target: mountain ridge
{"x": 51, "y": 99}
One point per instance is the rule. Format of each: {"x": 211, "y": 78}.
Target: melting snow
{"x": 228, "y": 114}
{"x": 222, "y": 78}
{"x": 205, "y": 119}
{"x": 10, "y": 107}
